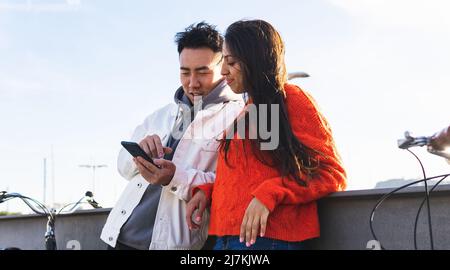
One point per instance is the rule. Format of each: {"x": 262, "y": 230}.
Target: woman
{"x": 266, "y": 199}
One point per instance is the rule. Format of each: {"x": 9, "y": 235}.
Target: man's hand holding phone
{"x": 155, "y": 171}
{"x": 154, "y": 175}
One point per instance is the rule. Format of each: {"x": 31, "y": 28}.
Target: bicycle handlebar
{"x": 50, "y": 240}
{"x": 410, "y": 141}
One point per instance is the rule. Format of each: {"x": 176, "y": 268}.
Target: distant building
{"x": 394, "y": 183}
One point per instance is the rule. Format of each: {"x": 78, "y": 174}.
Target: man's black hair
{"x": 201, "y": 35}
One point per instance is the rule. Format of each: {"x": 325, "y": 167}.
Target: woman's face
{"x": 231, "y": 69}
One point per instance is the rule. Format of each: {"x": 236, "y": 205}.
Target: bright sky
{"x": 79, "y": 75}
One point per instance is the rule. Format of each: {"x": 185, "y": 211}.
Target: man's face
{"x": 199, "y": 71}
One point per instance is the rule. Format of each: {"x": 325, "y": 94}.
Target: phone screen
{"x": 136, "y": 151}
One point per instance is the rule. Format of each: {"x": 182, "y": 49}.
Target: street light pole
{"x": 45, "y": 181}
{"x": 93, "y": 167}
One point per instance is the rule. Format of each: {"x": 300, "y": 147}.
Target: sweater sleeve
{"x": 207, "y": 189}
{"x": 311, "y": 129}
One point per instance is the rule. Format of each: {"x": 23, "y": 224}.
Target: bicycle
{"x": 51, "y": 214}
{"x": 406, "y": 143}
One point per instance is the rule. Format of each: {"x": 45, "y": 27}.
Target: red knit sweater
{"x": 293, "y": 210}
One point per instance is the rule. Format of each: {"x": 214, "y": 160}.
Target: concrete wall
{"x": 80, "y": 230}
{"x": 344, "y": 221}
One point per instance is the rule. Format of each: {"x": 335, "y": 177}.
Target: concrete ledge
{"x": 344, "y": 219}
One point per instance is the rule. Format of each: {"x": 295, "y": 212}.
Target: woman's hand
{"x": 255, "y": 220}
{"x": 197, "y": 202}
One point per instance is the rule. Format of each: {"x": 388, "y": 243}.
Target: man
{"x": 150, "y": 214}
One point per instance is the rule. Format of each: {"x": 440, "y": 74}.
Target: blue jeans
{"x": 262, "y": 243}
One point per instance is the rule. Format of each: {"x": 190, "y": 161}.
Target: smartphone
{"x": 136, "y": 151}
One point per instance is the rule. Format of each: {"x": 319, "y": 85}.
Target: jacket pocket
{"x": 207, "y": 155}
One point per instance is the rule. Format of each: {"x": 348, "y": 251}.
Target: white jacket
{"x": 195, "y": 159}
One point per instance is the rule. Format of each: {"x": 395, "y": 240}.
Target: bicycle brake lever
{"x": 406, "y": 142}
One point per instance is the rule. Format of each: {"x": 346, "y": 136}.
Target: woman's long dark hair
{"x": 259, "y": 49}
